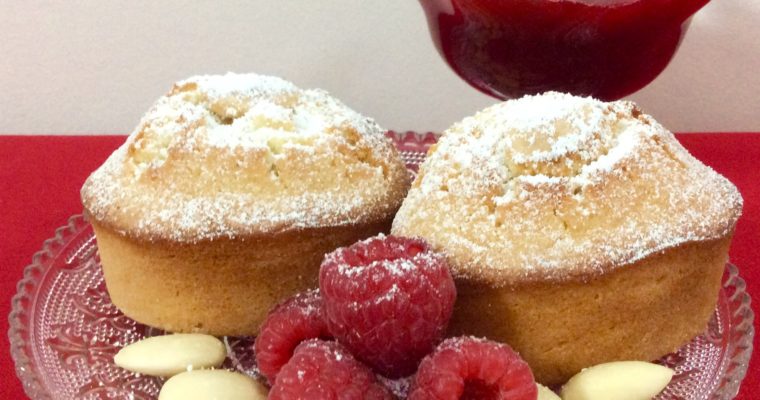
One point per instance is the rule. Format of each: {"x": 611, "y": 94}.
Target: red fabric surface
{"x": 40, "y": 177}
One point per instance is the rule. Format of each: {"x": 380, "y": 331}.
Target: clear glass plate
{"x": 64, "y": 330}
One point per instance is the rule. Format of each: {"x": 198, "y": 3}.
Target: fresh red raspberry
{"x": 291, "y": 322}
{"x": 388, "y": 300}
{"x": 321, "y": 370}
{"x": 471, "y": 368}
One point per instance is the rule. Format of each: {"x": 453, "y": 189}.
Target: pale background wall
{"x": 96, "y": 66}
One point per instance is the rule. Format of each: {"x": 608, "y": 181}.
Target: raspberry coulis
{"x": 604, "y": 48}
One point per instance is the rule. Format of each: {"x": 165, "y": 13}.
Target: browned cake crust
{"x": 638, "y": 312}
{"x": 226, "y": 196}
{"x": 578, "y": 231}
{"x": 225, "y": 286}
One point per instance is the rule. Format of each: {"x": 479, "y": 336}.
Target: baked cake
{"x": 227, "y": 195}
{"x": 578, "y": 231}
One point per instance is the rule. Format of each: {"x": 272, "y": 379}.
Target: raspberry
{"x": 296, "y": 319}
{"x": 321, "y": 370}
{"x": 471, "y": 368}
{"x": 388, "y": 300}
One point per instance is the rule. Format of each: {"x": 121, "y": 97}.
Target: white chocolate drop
{"x": 216, "y": 384}
{"x": 171, "y": 354}
{"x": 620, "y": 380}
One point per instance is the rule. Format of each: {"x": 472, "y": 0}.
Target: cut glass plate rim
{"x": 413, "y": 146}
{"x": 740, "y": 353}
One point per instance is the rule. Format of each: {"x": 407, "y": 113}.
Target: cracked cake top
{"x": 243, "y": 155}
{"x": 555, "y": 186}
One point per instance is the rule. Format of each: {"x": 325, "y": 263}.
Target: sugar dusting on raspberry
{"x": 388, "y": 299}
{"x": 399, "y": 387}
{"x": 326, "y": 370}
{"x": 241, "y": 154}
{"x": 291, "y": 322}
{"x": 400, "y": 261}
{"x": 473, "y": 368}
{"x": 555, "y": 186}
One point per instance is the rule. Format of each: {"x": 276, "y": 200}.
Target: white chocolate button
{"x": 171, "y": 354}
{"x": 544, "y": 393}
{"x": 621, "y": 380}
{"x": 218, "y": 384}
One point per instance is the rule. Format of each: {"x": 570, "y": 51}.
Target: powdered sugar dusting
{"x": 559, "y": 186}
{"x": 230, "y": 155}
{"x": 309, "y": 302}
{"x": 399, "y": 387}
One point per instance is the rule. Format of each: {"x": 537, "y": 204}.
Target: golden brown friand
{"x": 226, "y": 196}
{"x": 578, "y": 231}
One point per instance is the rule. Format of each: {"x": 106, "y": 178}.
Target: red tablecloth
{"x": 40, "y": 177}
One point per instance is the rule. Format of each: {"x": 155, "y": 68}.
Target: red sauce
{"x": 604, "y": 48}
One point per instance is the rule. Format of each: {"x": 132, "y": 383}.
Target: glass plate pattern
{"x": 64, "y": 330}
